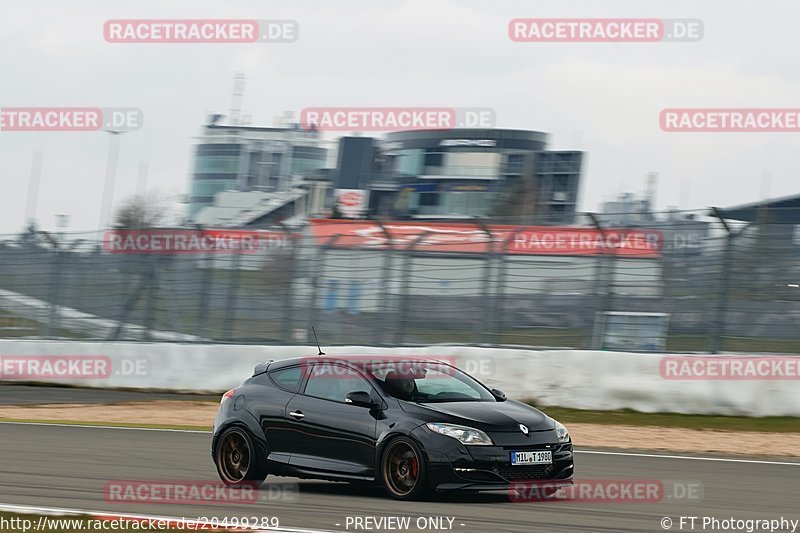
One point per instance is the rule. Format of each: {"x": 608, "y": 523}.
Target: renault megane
{"x": 411, "y": 425}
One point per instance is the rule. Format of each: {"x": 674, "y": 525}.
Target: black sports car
{"x": 413, "y": 425}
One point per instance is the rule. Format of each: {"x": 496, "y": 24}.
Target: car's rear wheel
{"x": 236, "y": 459}
{"x": 403, "y": 470}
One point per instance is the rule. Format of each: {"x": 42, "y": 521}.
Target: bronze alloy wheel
{"x": 234, "y": 457}
{"x": 402, "y": 469}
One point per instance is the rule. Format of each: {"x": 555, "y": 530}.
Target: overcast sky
{"x": 603, "y": 98}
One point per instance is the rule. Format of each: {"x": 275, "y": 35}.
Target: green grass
{"x": 700, "y": 343}
{"x": 579, "y": 338}
{"x": 774, "y": 424}
{"x": 12, "y": 326}
{"x": 744, "y": 344}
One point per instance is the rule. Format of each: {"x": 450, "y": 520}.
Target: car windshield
{"x": 427, "y": 382}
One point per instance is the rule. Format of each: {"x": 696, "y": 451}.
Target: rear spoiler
{"x": 262, "y": 367}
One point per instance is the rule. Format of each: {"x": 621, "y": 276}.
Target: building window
{"x": 211, "y": 187}
{"x": 409, "y": 162}
{"x": 465, "y": 203}
{"x": 217, "y": 164}
{"x": 561, "y": 184}
{"x": 306, "y": 166}
{"x": 428, "y": 198}
{"x": 515, "y": 164}
{"x": 473, "y": 164}
{"x": 218, "y": 149}
{"x": 433, "y": 159}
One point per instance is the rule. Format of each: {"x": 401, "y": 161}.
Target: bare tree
{"x": 143, "y": 211}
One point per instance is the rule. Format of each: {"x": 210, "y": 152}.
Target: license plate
{"x": 532, "y": 458}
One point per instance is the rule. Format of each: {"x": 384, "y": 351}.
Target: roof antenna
{"x": 316, "y": 339}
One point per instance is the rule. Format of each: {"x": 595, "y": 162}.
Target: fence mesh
{"x": 677, "y": 281}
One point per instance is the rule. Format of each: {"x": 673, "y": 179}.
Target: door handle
{"x": 298, "y": 415}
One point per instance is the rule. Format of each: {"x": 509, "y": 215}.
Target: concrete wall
{"x": 578, "y": 379}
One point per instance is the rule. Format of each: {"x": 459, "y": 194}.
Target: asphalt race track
{"x": 68, "y": 467}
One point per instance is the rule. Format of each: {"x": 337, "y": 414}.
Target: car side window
{"x": 333, "y": 382}
{"x": 288, "y": 379}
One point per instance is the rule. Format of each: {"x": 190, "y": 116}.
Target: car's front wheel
{"x": 403, "y": 470}
{"x": 236, "y": 459}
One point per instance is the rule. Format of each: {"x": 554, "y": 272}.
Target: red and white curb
{"x": 173, "y": 522}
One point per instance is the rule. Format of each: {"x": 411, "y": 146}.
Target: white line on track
{"x": 105, "y": 515}
{"x": 690, "y": 457}
{"x": 595, "y": 452}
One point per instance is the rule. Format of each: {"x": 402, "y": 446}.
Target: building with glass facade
{"x": 248, "y": 158}
{"x": 473, "y": 173}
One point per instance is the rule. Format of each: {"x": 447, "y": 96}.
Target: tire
{"x": 237, "y": 460}
{"x": 404, "y": 473}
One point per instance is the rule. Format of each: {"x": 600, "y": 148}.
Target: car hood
{"x": 487, "y": 416}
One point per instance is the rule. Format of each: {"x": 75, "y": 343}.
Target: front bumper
{"x": 453, "y": 466}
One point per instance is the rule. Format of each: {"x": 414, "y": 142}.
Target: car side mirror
{"x": 360, "y": 398}
{"x": 500, "y": 395}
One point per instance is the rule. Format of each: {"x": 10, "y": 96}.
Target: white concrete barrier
{"x": 567, "y": 378}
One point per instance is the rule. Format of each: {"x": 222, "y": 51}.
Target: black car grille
{"x": 525, "y": 473}
{"x": 555, "y": 448}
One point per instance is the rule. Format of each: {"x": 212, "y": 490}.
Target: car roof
{"x": 356, "y": 360}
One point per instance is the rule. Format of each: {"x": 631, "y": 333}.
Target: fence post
{"x": 129, "y": 304}
{"x": 233, "y": 290}
{"x": 486, "y": 307}
{"x": 718, "y": 325}
{"x": 386, "y": 274}
{"x": 319, "y": 270}
{"x": 603, "y": 285}
{"x": 500, "y": 289}
{"x": 205, "y": 287}
{"x": 55, "y": 288}
{"x": 288, "y": 297}
{"x": 399, "y": 333}
{"x": 150, "y": 303}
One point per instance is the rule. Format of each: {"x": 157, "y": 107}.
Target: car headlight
{"x": 561, "y": 432}
{"x": 463, "y": 434}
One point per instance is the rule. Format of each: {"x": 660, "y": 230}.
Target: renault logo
{"x": 523, "y": 428}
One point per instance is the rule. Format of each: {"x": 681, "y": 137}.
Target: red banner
{"x": 461, "y": 238}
